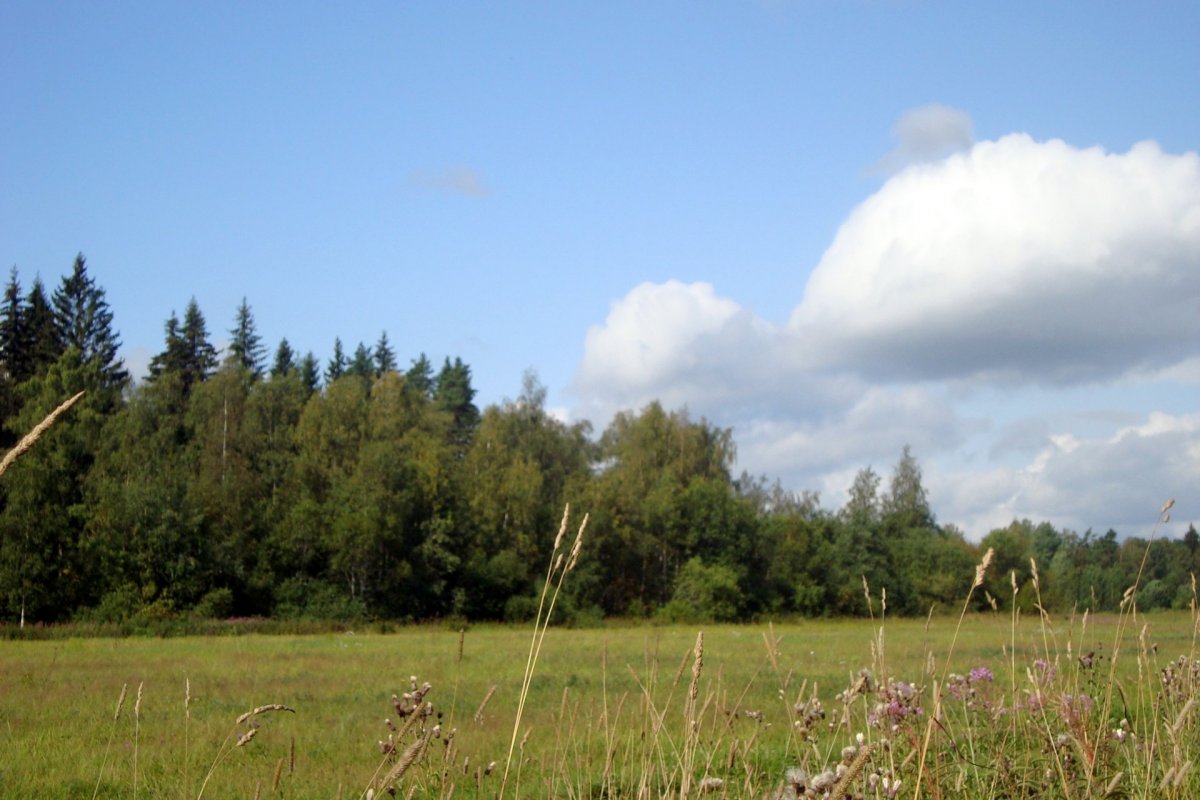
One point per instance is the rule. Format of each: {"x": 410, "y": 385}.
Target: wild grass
{"x": 610, "y": 711}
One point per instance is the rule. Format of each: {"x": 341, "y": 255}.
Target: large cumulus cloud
{"x": 1016, "y": 261}
{"x": 1012, "y": 263}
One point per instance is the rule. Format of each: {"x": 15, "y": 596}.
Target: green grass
{"x": 593, "y": 710}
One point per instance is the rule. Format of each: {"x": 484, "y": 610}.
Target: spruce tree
{"x": 385, "y": 356}
{"x": 337, "y": 364}
{"x": 14, "y": 357}
{"x": 419, "y": 377}
{"x": 362, "y": 365}
{"x": 188, "y": 354}
{"x": 83, "y": 320}
{"x": 245, "y": 346}
{"x": 310, "y": 373}
{"x": 201, "y": 356}
{"x": 43, "y": 344}
{"x": 171, "y": 358}
{"x": 285, "y": 360}
{"x": 14, "y": 337}
{"x": 455, "y": 395}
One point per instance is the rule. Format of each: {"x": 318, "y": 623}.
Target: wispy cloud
{"x": 928, "y": 133}
{"x": 456, "y": 180}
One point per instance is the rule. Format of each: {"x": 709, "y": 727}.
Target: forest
{"x": 247, "y": 483}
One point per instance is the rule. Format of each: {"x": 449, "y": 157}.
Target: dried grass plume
{"x": 28, "y": 439}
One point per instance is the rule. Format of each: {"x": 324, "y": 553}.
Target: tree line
{"x": 233, "y": 484}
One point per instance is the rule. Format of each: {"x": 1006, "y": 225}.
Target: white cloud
{"x": 680, "y": 344}
{"x": 1018, "y": 261}
{"x": 1117, "y": 481}
{"x": 928, "y": 133}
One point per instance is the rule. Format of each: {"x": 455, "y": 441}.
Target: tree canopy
{"x": 374, "y": 493}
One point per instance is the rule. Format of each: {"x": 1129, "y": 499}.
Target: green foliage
{"x": 216, "y": 604}
{"x": 307, "y": 598}
{"x": 390, "y": 495}
{"x": 704, "y": 593}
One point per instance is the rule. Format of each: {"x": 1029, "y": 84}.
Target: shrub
{"x": 217, "y": 604}
{"x": 305, "y": 598}
{"x": 704, "y": 592}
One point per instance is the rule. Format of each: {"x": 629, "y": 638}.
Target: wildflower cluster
{"x": 973, "y": 689}
{"x": 896, "y": 701}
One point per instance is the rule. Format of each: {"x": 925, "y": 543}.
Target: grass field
{"x": 612, "y": 711}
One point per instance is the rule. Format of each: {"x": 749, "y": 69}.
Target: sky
{"x": 836, "y": 227}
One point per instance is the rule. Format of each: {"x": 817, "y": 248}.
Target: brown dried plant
{"x": 28, "y": 440}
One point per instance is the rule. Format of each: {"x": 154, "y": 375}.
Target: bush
{"x": 305, "y": 598}
{"x": 704, "y": 593}
{"x": 118, "y": 605}
{"x": 217, "y": 604}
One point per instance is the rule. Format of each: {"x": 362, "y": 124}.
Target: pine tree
{"x": 245, "y": 346}
{"x": 385, "y": 356}
{"x": 83, "y": 320}
{"x": 337, "y": 364}
{"x": 285, "y": 360}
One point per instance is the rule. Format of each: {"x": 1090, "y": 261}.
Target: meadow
{"x": 991, "y": 705}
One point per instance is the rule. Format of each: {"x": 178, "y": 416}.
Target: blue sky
{"x": 837, "y": 227}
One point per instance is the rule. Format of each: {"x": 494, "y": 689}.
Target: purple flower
{"x": 981, "y": 674}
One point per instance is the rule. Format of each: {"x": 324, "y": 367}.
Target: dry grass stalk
{"x": 120, "y": 702}
{"x": 860, "y": 760}
{"x": 242, "y": 740}
{"x": 542, "y": 623}
{"x": 275, "y": 778}
{"x": 28, "y": 440}
{"x": 483, "y": 704}
{"x": 697, "y": 666}
{"x": 938, "y": 686}
{"x": 410, "y": 756}
{"x": 187, "y": 721}
{"x": 137, "y": 727}
{"x": 112, "y": 734}
{"x": 263, "y": 710}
